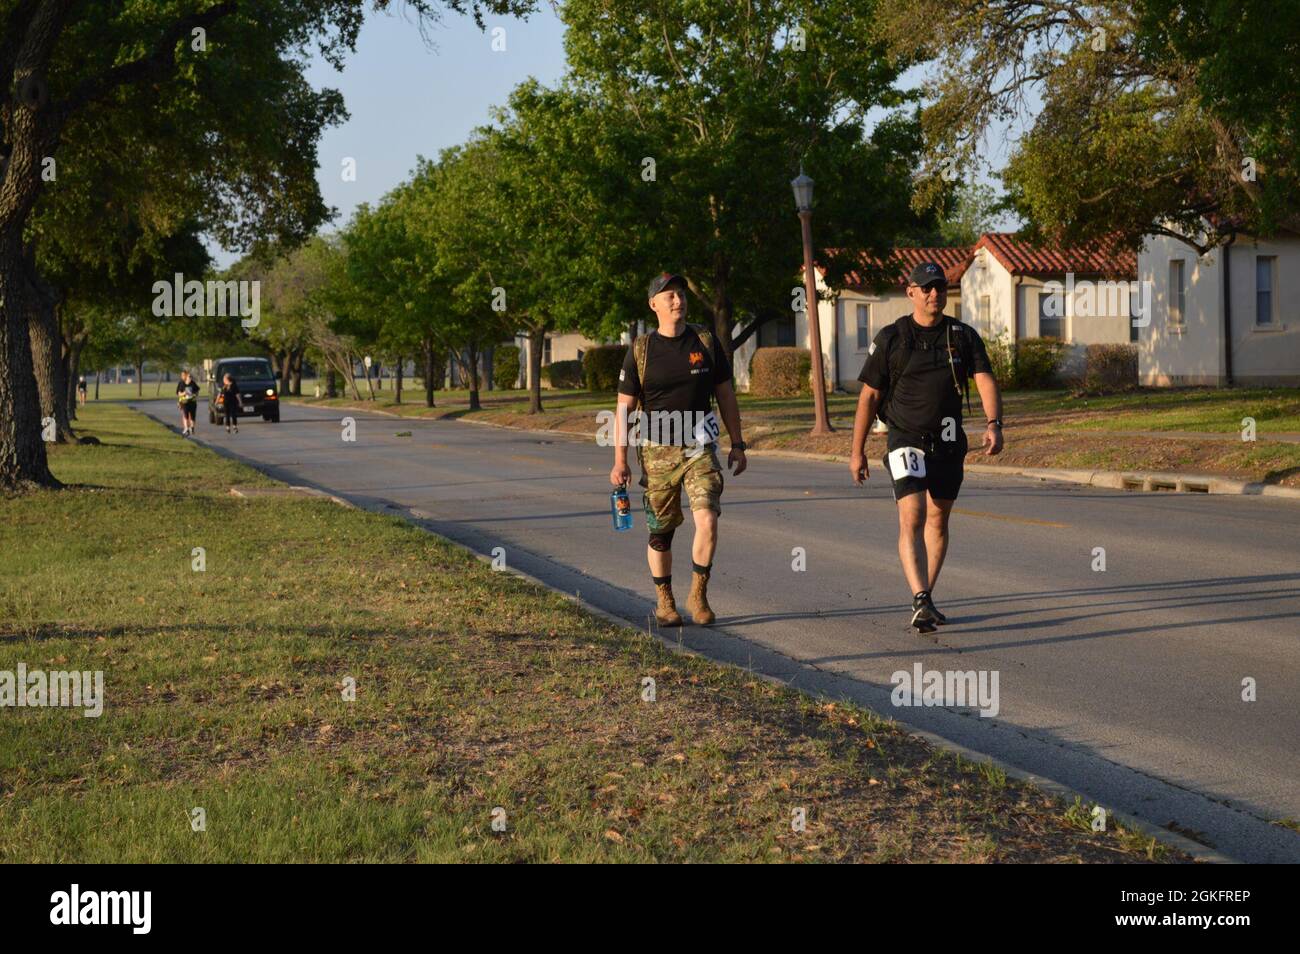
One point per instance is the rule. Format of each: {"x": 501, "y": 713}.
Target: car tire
{"x": 273, "y": 417}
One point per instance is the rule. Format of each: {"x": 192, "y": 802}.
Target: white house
{"x": 1001, "y": 285}
{"x": 1231, "y": 316}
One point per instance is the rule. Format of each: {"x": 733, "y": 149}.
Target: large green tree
{"x": 220, "y": 83}
{"x": 711, "y": 108}
{"x": 1139, "y": 116}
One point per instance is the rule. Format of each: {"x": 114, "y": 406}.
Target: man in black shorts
{"x": 916, "y": 373}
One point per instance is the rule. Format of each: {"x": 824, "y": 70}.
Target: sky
{"x": 409, "y": 97}
{"x": 412, "y": 96}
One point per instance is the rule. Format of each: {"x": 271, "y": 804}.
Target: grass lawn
{"x": 474, "y": 690}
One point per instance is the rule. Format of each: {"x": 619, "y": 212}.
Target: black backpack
{"x": 902, "y": 344}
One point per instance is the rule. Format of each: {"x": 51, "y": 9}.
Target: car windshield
{"x": 246, "y": 370}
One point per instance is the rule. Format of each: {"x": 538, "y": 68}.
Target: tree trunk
{"x": 397, "y": 382}
{"x": 96, "y": 385}
{"x": 47, "y": 348}
{"x": 139, "y": 378}
{"x": 723, "y": 311}
{"x": 471, "y": 363}
{"x": 295, "y": 382}
{"x": 536, "y": 341}
{"x": 23, "y": 462}
{"x": 286, "y": 359}
{"x": 428, "y": 373}
{"x": 350, "y": 376}
{"x": 331, "y": 389}
{"x": 73, "y": 373}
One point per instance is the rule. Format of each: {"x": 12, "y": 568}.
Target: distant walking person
{"x": 187, "y": 396}
{"x": 81, "y": 391}
{"x": 914, "y": 377}
{"x": 229, "y": 402}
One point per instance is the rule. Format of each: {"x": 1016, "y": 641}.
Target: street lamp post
{"x": 803, "y": 195}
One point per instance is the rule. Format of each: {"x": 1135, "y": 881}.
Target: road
{"x": 1125, "y": 683}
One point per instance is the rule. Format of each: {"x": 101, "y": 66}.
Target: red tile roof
{"x": 900, "y": 262}
{"x": 1107, "y": 258}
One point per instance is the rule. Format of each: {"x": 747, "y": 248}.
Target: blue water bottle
{"x": 620, "y": 508}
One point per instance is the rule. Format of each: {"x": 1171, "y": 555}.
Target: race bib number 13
{"x": 907, "y": 462}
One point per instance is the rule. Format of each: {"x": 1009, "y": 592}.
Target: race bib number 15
{"x": 707, "y": 430}
{"x": 907, "y": 462}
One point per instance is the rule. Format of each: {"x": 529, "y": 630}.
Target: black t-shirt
{"x": 190, "y": 390}
{"x": 681, "y": 374}
{"x": 230, "y": 394}
{"x": 925, "y": 392}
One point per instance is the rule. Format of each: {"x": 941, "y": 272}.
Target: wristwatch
{"x": 739, "y": 445}
{"x": 997, "y": 421}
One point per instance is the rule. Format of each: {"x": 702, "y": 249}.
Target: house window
{"x": 864, "y": 327}
{"x": 785, "y": 333}
{"x": 1051, "y": 323}
{"x": 546, "y": 351}
{"x": 985, "y": 318}
{"x": 1265, "y": 281}
{"x": 1177, "y": 292}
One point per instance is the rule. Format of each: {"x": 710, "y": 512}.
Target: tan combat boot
{"x": 666, "y": 612}
{"x": 698, "y": 601}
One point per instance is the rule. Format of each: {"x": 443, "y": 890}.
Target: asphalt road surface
{"x": 1125, "y": 684}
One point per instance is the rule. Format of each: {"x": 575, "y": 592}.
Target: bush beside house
{"x": 564, "y": 374}
{"x": 601, "y": 366}
{"x": 780, "y": 372}
{"x": 505, "y": 366}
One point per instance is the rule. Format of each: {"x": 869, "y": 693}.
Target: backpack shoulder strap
{"x": 640, "y": 350}
{"x": 705, "y": 336}
{"x": 900, "y": 348}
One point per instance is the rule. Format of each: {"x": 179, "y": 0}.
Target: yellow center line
{"x": 999, "y": 516}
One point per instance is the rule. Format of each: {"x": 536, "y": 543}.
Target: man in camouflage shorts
{"x": 672, "y": 375}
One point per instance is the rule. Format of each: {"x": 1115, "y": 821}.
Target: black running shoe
{"x": 923, "y": 618}
{"x": 934, "y": 611}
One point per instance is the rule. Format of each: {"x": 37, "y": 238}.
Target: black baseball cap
{"x": 927, "y": 273}
{"x": 662, "y": 281}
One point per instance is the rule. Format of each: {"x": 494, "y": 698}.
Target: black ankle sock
{"x": 923, "y": 594}
{"x": 701, "y": 569}
{"x": 662, "y": 579}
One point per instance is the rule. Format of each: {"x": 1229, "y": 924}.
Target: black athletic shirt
{"x": 191, "y": 389}
{"x": 925, "y": 393}
{"x": 681, "y": 374}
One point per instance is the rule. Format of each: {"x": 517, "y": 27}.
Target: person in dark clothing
{"x": 674, "y": 375}
{"x": 228, "y": 401}
{"x": 187, "y": 396}
{"x": 913, "y": 377}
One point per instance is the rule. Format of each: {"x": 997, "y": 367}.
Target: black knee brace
{"x": 663, "y": 542}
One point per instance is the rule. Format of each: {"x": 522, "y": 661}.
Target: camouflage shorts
{"x": 665, "y": 470}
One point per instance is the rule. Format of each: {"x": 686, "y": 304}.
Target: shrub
{"x": 780, "y": 372}
{"x": 505, "y": 366}
{"x": 1038, "y": 361}
{"x": 564, "y": 374}
{"x": 1111, "y": 367}
{"x": 1002, "y": 360}
{"x": 600, "y": 367}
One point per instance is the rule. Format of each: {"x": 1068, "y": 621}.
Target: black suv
{"x": 257, "y": 388}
